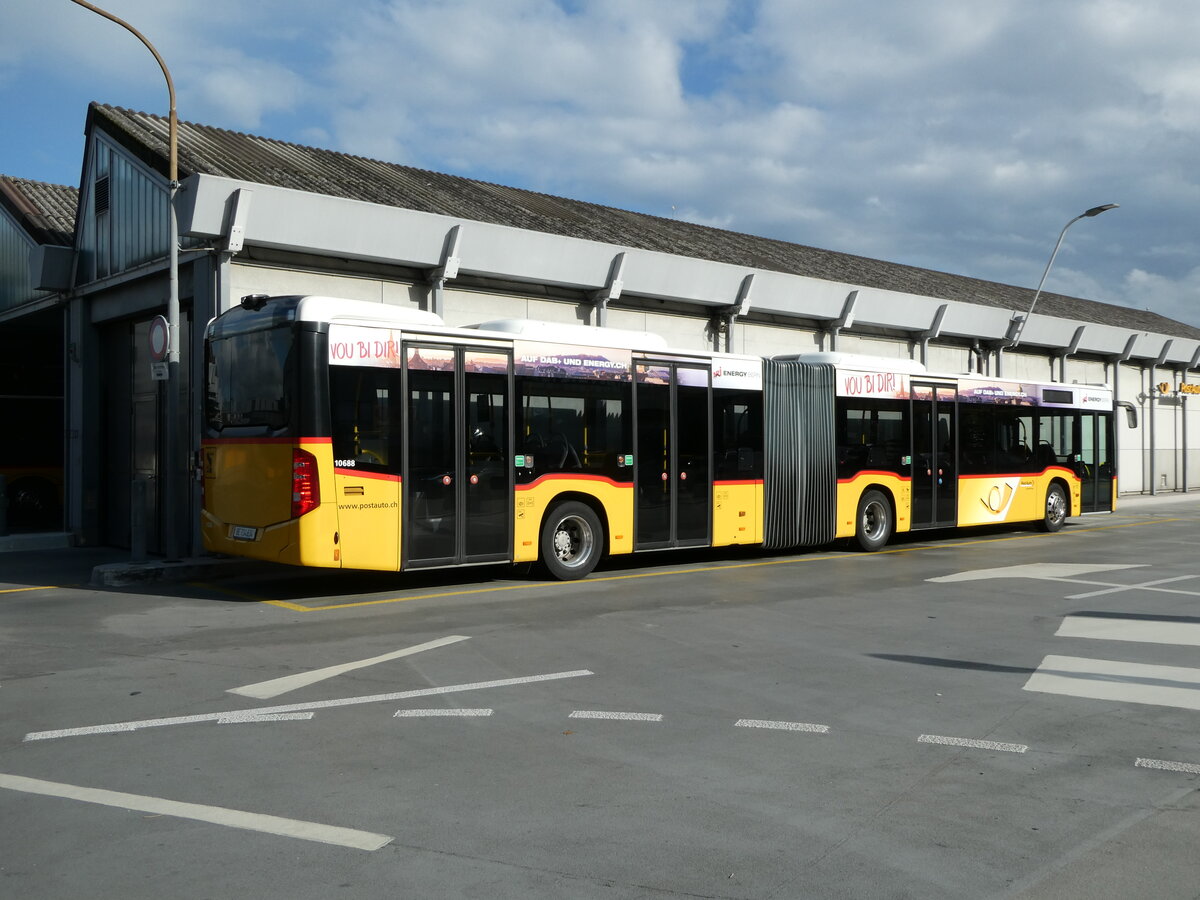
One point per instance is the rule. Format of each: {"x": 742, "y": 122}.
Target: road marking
{"x": 40, "y": 587}
{"x": 243, "y": 718}
{"x": 700, "y": 570}
{"x": 1102, "y": 679}
{"x": 971, "y": 742}
{"x": 1052, "y": 571}
{"x": 781, "y": 726}
{"x": 623, "y": 716}
{"x": 1121, "y": 628}
{"x": 265, "y": 690}
{"x": 431, "y": 713}
{"x": 1143, "y": 586}
{"x": 232, "y": 818}
{"x": 1168, "y": 766}
{"x": 115, "y": 727}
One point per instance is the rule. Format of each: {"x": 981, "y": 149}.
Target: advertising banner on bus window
{"x": 880, "y": 385}
{"x": 1004, "y": 393}
{"x": 564, "y": 361}
{"x": 353, "y": 345}
{"x": 737, "y": 374}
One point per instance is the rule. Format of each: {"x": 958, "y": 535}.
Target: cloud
{"x": 958, "y": 137}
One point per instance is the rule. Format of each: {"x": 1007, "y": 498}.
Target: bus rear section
{"x": 266, "y": 456}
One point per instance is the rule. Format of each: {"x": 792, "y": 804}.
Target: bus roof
{"x": 315, "y": 308}
{"x": 584, "y": 335}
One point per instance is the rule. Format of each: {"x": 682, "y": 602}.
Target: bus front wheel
{"x": 1056, "y": 509}
{"x": 875, "y": 525}
{"x": 572, "y": 538}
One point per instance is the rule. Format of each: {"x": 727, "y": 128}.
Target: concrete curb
{"x": 122, "y": 574}
{"x": 56, "y": 540}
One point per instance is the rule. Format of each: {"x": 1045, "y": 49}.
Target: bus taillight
{"x": 306, "y": 487}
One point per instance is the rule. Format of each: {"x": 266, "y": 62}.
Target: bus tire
{"x": 1055, "y": 515}
{"x": 572, "y": 541}
{"x": 875, "y": 521}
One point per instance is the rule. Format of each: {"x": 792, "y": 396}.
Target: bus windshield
{"x": 251, "y": 379}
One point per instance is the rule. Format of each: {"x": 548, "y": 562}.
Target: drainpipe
{"x": 932, "y": 332}
{"x": 611, "y": 290}
{"x": 845, "y": 320}
{"x": 1162, "y": 358}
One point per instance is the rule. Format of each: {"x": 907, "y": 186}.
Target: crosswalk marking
{"x": 1103, "y": 679}
{"x": 1126, "y": 628}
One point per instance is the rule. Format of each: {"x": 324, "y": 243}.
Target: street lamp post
{"x": 1023, "y": 320}
{"x": 171, "y": 450}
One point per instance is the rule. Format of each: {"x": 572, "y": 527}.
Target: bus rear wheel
{"x": 874, "y": 528}
{"x": 1056, "y": 509}
{"x": 572, "y": 540}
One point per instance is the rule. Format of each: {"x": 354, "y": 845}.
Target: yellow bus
{"x": 355, "y": 435}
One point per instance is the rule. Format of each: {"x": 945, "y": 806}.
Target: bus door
{"x": 458, "y": 491}
{"x": 673, "y": 462}
{"x": 1095, "y": 461}
{"x": 935, "y": 456}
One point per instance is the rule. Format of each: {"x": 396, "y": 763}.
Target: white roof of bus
{"x": 339, "y": 309}
{"x": 584, "y": 335}
{"x": 862, "y": 362}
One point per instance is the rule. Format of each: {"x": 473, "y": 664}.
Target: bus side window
{"x": 366, "y": 418}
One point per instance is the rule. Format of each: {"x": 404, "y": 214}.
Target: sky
{"x": 960, "y": 137}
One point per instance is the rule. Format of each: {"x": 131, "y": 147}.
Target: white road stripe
{"x": 1142, "y": 586}
{"x": 430, "y": 713}
{"x": 242, "y": 718}
{"x": 624, "y": 716}
{"x": 1052, "y": 571}
{"x": 1168, "y": 766}
{"x": 265, "y": 690}
{"x": 299, "y": 707}
{"x": 971, "y": 742}
{"x": 781, "y": 726}
{"x": 1149, "y": 631}
{"x": 232, "y": 818}
{"x": 1102, "y": 679}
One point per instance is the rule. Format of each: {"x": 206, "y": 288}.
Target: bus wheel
{"x": 874, "y": 521}
{"x": 1056, "y": 509}
{"x": 571, "y": 541}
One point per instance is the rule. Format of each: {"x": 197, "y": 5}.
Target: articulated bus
{"x": 348, "y": 434}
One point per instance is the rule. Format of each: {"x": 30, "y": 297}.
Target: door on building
{"x": 674, "y": 472}
{"x": 1095, "y": 468}
{"x": 457, "y": 485}
{"x": 935, "y": 455}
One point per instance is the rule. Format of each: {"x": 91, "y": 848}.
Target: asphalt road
{"x": 973, "y": 714}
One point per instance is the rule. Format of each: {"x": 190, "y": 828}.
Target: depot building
{"x": 84, "y": 282}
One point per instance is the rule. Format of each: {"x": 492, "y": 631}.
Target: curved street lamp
{"x": 170, "y": 451}
{"x": 1022, "y": 320}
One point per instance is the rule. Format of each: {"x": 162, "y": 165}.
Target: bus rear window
{"x": 251, "y": 382}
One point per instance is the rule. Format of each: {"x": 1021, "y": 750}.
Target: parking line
{"x": 217, "y": 815}
{"x": 619, "y": 716}
{"x": 436, "y": 713}
{"x": 782, "y": 726}
{"x": 246, "y": 718}
{"x": 1167, "y": 766}
{"x": 971, "y": 742}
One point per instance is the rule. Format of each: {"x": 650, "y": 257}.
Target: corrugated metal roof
{"x": 45, "y": 211}
{"x": 215, "y": 151}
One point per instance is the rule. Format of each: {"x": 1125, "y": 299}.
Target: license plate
{"x": 243, "y": 533}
